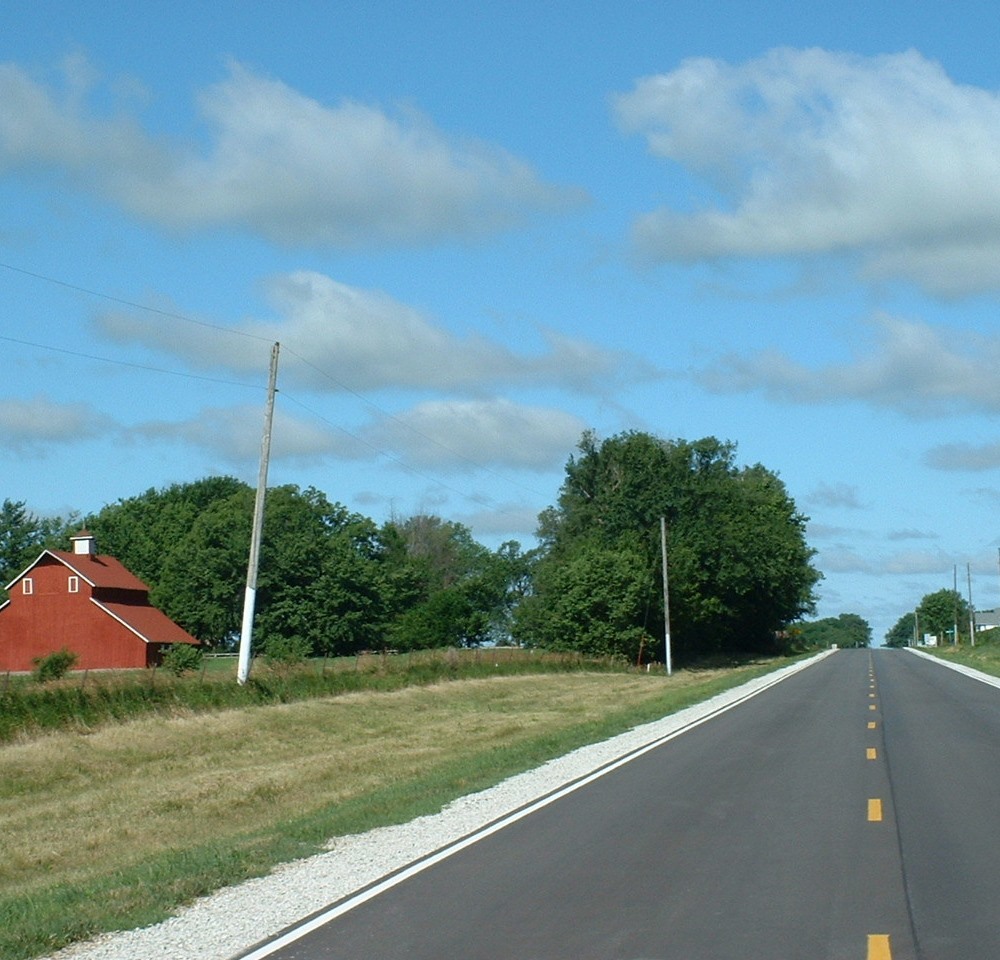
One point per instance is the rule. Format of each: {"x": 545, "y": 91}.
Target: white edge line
{"x": 959, "y": 668}
{"x": 355, "y": 900}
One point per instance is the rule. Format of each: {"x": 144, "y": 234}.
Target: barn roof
{"x": 146, "y": 622}
{"x": 97, "y": 569}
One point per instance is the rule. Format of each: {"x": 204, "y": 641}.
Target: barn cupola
{"x": 83, "y": 543}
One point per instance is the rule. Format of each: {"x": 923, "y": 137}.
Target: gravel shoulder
{"x": 230, "y": 922}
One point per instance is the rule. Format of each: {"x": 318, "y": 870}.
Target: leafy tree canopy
{"x": 846, "y": 630}
{"x": 23, "y": 536}
{"x": 901, "y": 634}
{"x": 739, "y": 567}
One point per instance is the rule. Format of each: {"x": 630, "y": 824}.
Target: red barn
{"x": 89, "y": 604}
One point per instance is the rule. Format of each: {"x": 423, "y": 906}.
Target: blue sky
{"x": 479, "y": 229}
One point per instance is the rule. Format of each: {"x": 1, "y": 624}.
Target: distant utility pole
{"x": 972, "y": 609}
{"x": 250, "y": 597}
{"x": 666, "y": 598}
{"x": 954, "y": 611}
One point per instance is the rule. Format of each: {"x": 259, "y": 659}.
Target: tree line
{"x": 937, "y": 615}
{"x": 334, "y": 582}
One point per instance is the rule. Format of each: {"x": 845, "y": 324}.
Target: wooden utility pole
{"x": 954, "y": 590}
{"x": 250, "y": 597}
{"x": 666, "y": 598}
{"x": 972, "y": 609}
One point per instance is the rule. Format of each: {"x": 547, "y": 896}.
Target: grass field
{"x": 113, "y": 827}
{"x": 985, "y": 655}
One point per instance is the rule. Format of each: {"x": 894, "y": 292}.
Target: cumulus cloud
{"x": 508, "y": 520}
{"x": 30, "y": 426}
{"x": 910, "y": 534}
{"x": 964, "y": 456}
{"x": 365, "y": 340}
{"x": 836, "y": 495}
{"x": 911, "y": 367}
{"x": 905, "y": 563}
{"x": 443, "y": 436}
{"x": 234, "y": 434}
{"x": 275, "y": 162}
{"x": 465, "y": 435}
{"x": 813, "y": 152}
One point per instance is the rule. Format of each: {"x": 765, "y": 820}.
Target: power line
{"x": 136, "y": 306}
{"x": 129, "y": 363}
{"x": 240, "y": 333}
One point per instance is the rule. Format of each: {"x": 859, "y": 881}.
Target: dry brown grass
{"x": 73, "y": 805}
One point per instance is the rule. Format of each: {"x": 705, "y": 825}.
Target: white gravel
{"x": 230, "y": 922}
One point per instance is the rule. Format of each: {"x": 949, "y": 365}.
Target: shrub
{"x": 53, "y": 666}
{"x": 182, "y": 658}
{"x": 286, "y": 651}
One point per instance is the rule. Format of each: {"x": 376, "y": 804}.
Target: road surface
{"x": 850, "y": 812}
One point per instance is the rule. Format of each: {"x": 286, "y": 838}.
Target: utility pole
{"x": 954, "y": 609}
{"x": 972, "y": 609}
{"x": 666, "y": 598}
{"x": 250, "y": 597}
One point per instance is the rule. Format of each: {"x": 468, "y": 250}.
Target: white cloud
{"x": 234, "y": 434}
{"x": 457, "y": 436}
{"x": 909, "y": 562}
{"x": 277, "y": 163}
{"x": 30, "y": 426}
{"x": 509, "y": 520}
{"x": 836, "y": 495}
{"x": 912, "y": 368}
{"x": 467, "y": 435}
{"x": 964, "y": 456}
{"x": 813, "y": 152}
{"x": 364, "y": 340}
{"x": 910, "y": 534}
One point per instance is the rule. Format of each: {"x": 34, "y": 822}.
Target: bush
{"x": 182, "y": 658}
{"x": 54, "y": 666}
{"x": 286, "y": 651}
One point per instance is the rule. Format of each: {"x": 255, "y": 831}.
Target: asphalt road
{"x": 847, "y": 813}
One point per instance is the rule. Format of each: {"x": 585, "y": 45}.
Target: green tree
{"x": 24, "y": 535}
{"x": 846, "y": 630}
{"x": 142, "y": 531}
{"x": 740, "y": 569}
{"x": 594, "y": 602}
{"x": 938, "y": 613}
{"x": 202, "y": 576}
{"x": 458, "y": 591}
{"x": 901, "y": 633}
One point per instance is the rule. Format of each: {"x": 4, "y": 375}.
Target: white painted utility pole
{"x": 250, "y": 598}
{"x": 972, "y": 609}
{"x": 666, "y": 598}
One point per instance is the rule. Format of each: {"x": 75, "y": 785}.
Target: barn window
{"x": 74, "y": 584}
{"x": 28, "y": 586}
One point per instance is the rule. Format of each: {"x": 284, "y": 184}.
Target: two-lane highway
{"x": 847, "y": 813}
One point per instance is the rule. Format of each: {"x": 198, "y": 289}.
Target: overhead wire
{"x": 172, "y": 315}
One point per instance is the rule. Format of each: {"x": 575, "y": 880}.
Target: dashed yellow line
{"x": 872, "y": 724}
{"x": 872, "y": 706}
{"x": 875, "y": 810}
{"x": 871, "y": 754}
{"x": 878, "y": 947}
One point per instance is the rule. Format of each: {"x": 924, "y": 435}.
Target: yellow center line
{"x": 870, "y": 753}
{"x": 878, "y": 947}
{"x": 874, "y": 810}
